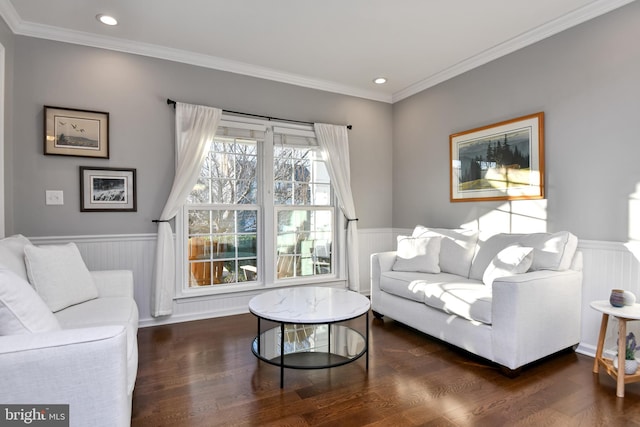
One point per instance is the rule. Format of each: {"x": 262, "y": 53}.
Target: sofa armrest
{"x": 535, "y": 314}
{"x": 383, "y": 261}
{"x": 84, "y": 368}
{"x": 113, "y": 283}
{"x": 380, "y": 262}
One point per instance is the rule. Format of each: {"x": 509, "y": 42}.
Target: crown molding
{"x": 571, "y": 19}
{"x": 578, "y": 16}
{"x": 9, "y": 14}
{"x": 30, "y": 29}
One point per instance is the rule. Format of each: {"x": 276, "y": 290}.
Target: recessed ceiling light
{"x": 107, "y": 19}
{"x": 380, "y": 80}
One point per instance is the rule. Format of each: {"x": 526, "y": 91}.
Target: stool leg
{"x": 622, "y": 337}
{"x": 603, "y": 331}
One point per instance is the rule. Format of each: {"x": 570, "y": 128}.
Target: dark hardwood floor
{"x": 203, "y": 373}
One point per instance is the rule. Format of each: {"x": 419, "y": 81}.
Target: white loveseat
{"x": 67, "y": 335}
{"x": 509, "y": 298}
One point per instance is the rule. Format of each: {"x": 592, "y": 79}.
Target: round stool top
{"x": 625, "y": 312}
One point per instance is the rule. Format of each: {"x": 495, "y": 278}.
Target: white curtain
{"x": 334, "y": 142}
{"x": 195, "y": 128}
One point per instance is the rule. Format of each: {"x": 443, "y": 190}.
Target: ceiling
{"x": 334, "y": 45}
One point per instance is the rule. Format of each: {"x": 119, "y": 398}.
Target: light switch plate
{"x": 54, "y": 197}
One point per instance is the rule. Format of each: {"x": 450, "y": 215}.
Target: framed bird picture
{"x": 72, "y": 132}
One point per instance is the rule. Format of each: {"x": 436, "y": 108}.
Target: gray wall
{"x": 587, "y": 82}
{"x": 7, "y": 40}
{"x": 133, "y": 89}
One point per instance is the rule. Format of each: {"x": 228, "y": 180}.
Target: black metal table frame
{"x": 255, "y": 344}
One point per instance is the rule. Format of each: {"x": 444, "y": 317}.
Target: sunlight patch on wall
{"x": 634, "y": 223}
{"x": 515, "y": 216}
{"x": 634, "y": 215}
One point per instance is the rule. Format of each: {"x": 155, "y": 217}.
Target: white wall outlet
{"x": 54, "y": 197}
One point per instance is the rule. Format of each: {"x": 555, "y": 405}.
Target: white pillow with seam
{"x": 59, "y": 275}
{"x": 22, "y": 311}
{"x": 418, "y": 254}
{"x": 12, "y": 254}
{"x": 512, "y": 260}
{"x": 456, "y": 249}
{"x": 552, "y": 251}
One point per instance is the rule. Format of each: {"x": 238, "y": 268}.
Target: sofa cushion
{"x": 456, "y": 249}
{"x": 419, "y": 254}
{"x": 412, "y": 285}
{"x": 465, "y": 298}
{"x": 22, "y": 311}
{"x": 12, "y": 254}
{"x": 59, "y": 275}
{"x": 106, "y": 311}
{"x": 512, "y": 260}
{"x": 550, "y": 251}
{"x": 444, "y": 291}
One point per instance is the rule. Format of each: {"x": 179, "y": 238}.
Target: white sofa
{"x": 84, "y": 354}
{"x": 509, "y": 298}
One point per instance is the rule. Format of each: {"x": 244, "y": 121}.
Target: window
{"x": 302, "y": 199}
{"x": 261, "y": 213}
{"x": 223, "y": 215}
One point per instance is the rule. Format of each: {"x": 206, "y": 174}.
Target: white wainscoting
{"x": 607, "y": 265}
{"x": 371, "y": 241}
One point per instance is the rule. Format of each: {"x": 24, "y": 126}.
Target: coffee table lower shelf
{"x": 310, "y": 346}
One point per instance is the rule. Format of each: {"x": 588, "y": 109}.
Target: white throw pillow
{"x": 551, "y": 251}
{"x": 420, "y": 254}
{"x": 22, "y": 311}
{"x": 456, "y": 250}
{"x": 510, "y": 261}
{"x": 59, "y": 275}
{"x": 488, "y": 248}
{"x": 12, "y": 254}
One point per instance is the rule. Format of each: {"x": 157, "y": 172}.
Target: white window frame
{"x": 267, "y": 277}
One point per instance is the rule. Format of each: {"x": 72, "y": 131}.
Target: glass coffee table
{"x": 311, "y": 333}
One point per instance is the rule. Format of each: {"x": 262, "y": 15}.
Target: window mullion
{"x": 269, "y": 224}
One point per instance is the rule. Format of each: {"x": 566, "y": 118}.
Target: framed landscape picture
{"x": 71, "y": 132}
{"x": 502, "y": 161}
{"x": 107, "y": 190}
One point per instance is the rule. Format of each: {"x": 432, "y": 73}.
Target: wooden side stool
{"x": 623, "y": 314}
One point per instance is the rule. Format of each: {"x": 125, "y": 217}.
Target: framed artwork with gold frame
{"x": 501, "y": 161}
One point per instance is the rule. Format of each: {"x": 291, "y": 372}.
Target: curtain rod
{"x": 172, "y": 102}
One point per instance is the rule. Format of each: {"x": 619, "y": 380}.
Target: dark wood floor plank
{"x": 203, "y": 374}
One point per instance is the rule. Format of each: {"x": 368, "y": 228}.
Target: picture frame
{"x": 501, "y": 161}
{"x": 73, "y": 132}
{"x": 107, "y": 190}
